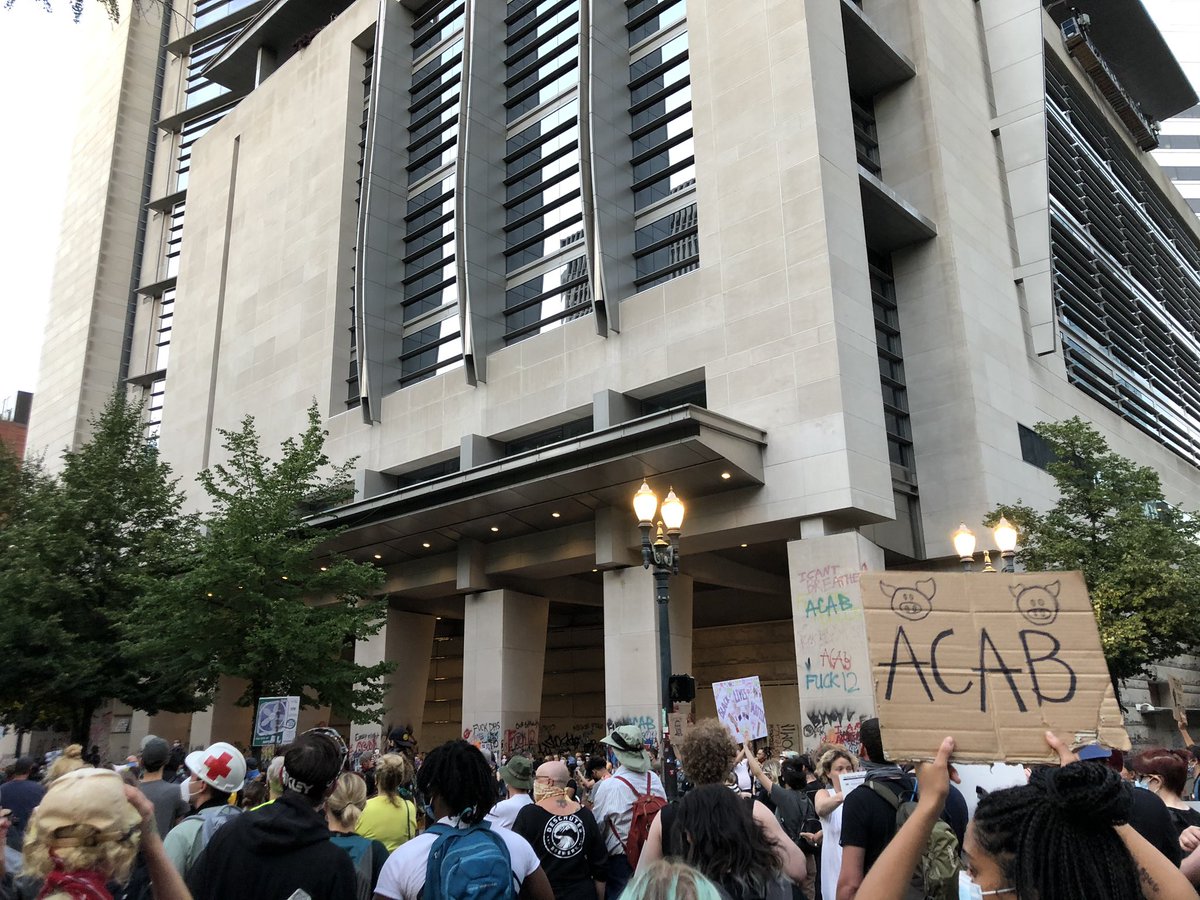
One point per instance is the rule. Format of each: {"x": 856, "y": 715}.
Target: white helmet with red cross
{"x": 221, "y": 766}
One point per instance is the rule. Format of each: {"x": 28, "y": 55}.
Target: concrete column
{"x": 833, "y": 671}
{"x": 632, "y": 683}
{"x": 223, "y": 721}
{"x": 407, "y": 640}
{"x": 504, "y": 658}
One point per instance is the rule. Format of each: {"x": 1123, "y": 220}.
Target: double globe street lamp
{"x": 663, "y": 554}
{"x": 1005, "y": 535}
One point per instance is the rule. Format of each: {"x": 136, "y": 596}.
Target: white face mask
{"x": 969, "y": 890}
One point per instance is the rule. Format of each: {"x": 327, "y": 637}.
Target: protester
{"x": 86, "y": 833}
{"x": 1061, "y": 835}
{"x": 830, "y": 768}
{"x": 174, "y": 770}
{"x": 458, "y": 783}
{"x": 343, "y": 810}
{"x": 517, "y": 774}
{"x": 715, "y": 832}
{"x": 794, "y": 812}
{"x": 216, "y": 773}
{"x": 671, "y": 880}
{"x": 254, "y": 794}
{"x": 20, "y": 795}
{"x": 595, "y": 770}
{"x": 869, "y": 820}
{"x": 708, "y": 753}
{"x": 389, "y": 817}
{"x": 283, "y": 848}
{"x": 1149, "y": 816}
{"x": 564, "y": 836}
{"x": 615, "y": 797}
{"x": 274, "y": 780}
{"x": 70, "y": 760}
{"x": 169, "y": 806}
{"x": 1163, "y": 772}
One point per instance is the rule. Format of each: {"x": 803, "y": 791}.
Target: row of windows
{"x": 1126, "y": 278}
{"x": 660, "y": 95}
{"x": 891, "y": 362}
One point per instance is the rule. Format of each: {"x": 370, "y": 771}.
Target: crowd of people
{"x": 460, "y": 823}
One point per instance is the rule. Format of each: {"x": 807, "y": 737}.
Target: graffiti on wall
{"x": 521, "y": 738}
{"x": 483, "y": 734}
{"x": 645, "y": 724}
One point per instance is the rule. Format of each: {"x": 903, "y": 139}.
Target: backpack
{"x": 645, "y": 807}
{"x": 936, "y": 876}
{"x": 468, "y": 863}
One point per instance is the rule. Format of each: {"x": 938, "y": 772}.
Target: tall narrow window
{"x": 432, "y": 341}
{"x": 543, "y": 206}
{"x": 662, "y": 153}
{"x": 891, "y": 364}
{"x": 353, "y": 391}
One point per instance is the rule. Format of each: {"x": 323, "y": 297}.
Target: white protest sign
{"x": 275, "y": 720}
{"x": 740, "y": 708}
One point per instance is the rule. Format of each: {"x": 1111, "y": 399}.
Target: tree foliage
{"x": 1139, "y": 555}
{"x": 76, "y": 549}
{"x": 112, "y": 8}
{"x": 254, "y": 601}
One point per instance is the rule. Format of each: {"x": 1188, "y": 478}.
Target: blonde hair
{"x": 348, "y": 799}
{"x": 828, "y": 758}
{"x": 275, "y": 778}
{"x": 392, "y": 772}
{"x": 113, "y": 857}
{"x": 70, "y": 760}
{"x": 668, "y": 879}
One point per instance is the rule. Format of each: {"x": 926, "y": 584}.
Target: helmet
{"x": 221, "y": 766}
{"x": 334, "y": 735}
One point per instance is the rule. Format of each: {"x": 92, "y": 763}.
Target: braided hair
{"x": 457, "y": 772}
{"x": 1054, "y": 837}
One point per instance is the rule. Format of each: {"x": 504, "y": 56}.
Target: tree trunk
{"x": 81, "y": 724}
{"x": 20, "y": 740}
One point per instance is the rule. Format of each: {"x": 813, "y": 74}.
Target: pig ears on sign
{"x": 994, "y": 660}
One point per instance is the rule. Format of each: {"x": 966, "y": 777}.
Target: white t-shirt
{"x": 504, "y": 813}
{"x": 831, "y": 852}
{"x": 403, "y": 875}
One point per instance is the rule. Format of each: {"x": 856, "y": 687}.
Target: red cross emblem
{"x": 218, "y": 766}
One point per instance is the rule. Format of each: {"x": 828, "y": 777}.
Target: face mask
{"x": 969, "y": 890}
{"x": 1142, "y": 783}
{"x": 430, "y": 813}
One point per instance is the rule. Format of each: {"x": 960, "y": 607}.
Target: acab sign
{"x": 994, "y": 660}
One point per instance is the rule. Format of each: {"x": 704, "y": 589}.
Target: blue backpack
{"x": 468, "y": 864}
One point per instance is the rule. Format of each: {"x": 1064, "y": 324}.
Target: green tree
{"x": 1139, "y": 555}
{"x": 77, "y": 548}
{"x": 257, "y": 600}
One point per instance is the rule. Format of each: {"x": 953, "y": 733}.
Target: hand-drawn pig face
{"x": 912, "y": 603}
{"x": 1036, "y": 602}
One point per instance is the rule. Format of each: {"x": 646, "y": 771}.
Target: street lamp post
{"x": 1005, "y": 535}
{"x": 663, "y": 554}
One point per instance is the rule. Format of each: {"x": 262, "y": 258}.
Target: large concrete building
{"x": 817, "y": 265}
{"x": 1179, "y": 141}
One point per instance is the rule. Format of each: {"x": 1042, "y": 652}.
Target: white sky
{"x": 40, "y": 62}
{"x": 40, "y": 71}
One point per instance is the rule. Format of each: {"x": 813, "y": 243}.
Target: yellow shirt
{"x": 390, "y": 824}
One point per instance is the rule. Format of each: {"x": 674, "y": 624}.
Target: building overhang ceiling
{"x": 1136, "y": 51}
{"x": 276, "y": 28}
{"x": 688, "y": 448}
{"x": 890, "y": 222}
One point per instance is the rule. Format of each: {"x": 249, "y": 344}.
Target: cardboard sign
{"x": 740, "y": 708}
{"x": 1178, "y": 701}
{"x": 994, "y": 660}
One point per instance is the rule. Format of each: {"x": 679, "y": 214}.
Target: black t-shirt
{"x": 869, "y": 821}
{"x": 1152, "y": 820}
{"x": 1183, "y": 818}
{"x": 570, "y": 847}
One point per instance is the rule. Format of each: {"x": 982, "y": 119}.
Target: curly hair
{"x": 668, "y": 879}
{"x": 348, "y": 799}
{"x": 715, "y": 832}
{"x": 457, "y": 773}
{"x": 70, "y": 760}
{"x": 113, "y": 858}
{"x": 392, "y": 772}
{"x": 1169, "y": 765}
{"x": 828, "y": 758}
{"x": 1054, "y": 837}
{"x": 707, "y": 752}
